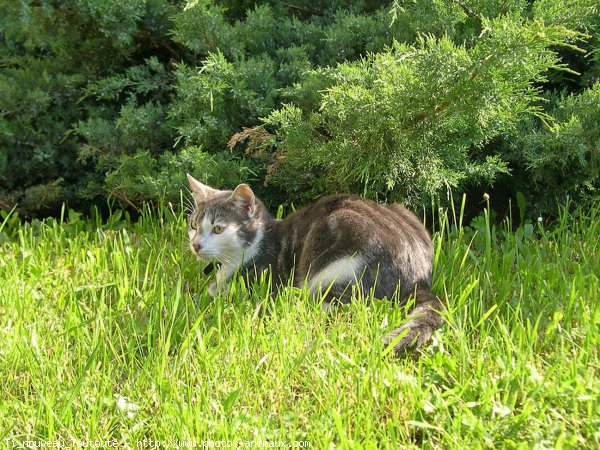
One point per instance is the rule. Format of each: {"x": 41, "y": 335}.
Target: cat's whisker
{"x": 190, "y": 207}
{"x": 225, "y": 259}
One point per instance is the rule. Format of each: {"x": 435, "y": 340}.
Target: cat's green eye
{"x": 218, "y": 229}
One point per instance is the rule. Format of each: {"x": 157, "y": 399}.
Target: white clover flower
{"x": 128, "y": 407}
{"x": 500, "y": 409}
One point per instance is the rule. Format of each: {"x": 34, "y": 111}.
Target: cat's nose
{"x": 197, "y": 246}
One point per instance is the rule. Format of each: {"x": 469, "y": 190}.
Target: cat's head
{"x": 225, "y": 226}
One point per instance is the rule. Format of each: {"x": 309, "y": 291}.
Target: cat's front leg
{"x": 220, "y": 284}
{"x": 212, "y": 289}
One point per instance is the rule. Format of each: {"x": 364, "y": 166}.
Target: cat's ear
{"x": 199, "y": 191}
{"x": 244, "y": 198}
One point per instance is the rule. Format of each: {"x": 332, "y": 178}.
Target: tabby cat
{"x": 338, "y": 242}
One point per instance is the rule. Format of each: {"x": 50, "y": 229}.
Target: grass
{"x": 106, "y": 332}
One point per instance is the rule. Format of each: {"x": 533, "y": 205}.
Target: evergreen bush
{"x": 562, "y": 158}
{"x": 414, "y": 120}
{"x": 398, "y": 100}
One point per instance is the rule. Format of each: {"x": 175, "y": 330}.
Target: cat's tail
{"x": 423, "y": 320}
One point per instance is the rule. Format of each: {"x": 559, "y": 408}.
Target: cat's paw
{"x": 212, "y": 289}
{"x": 409, "y": 337}
{"x": 216, "y": 287}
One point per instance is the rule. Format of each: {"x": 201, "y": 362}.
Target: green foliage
{"x": 52, "y": 55}
{"x": 562, "y": 158}
{"x": 412, "y": 121}
{"x": 400, "y": 100}
{"x": 140, "y": 177}
{"x": 201, "y": 27}
{"x": 213, "y": 102}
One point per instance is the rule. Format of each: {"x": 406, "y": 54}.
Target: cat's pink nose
{"x": 197, "y": 246}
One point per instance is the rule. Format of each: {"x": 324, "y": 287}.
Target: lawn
{"x": 108, "y": 338}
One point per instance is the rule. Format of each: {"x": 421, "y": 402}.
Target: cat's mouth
{"x": 201, "y": 253}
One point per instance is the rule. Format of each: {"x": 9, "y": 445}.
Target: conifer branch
{"x": 468, "y": 11}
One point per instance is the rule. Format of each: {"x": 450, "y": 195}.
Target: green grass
{"x": 106, "y": 331}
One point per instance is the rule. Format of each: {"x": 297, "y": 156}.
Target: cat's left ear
{"x": 244, "y": 198}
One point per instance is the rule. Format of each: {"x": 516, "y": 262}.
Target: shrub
{"x": 398, "y": 101}
{"x": 561, "y": 158}
{"x": 412, "y": 121}
{"x": 52, "y": 55}
{"x": 140, "y": 177}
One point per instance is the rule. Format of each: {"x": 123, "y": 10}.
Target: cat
{"x": 340, "y": 241}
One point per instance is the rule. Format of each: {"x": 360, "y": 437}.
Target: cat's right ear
{"x": 199, "y": 191}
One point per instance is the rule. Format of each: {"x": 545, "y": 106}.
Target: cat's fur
{"x": 340, "y": 241}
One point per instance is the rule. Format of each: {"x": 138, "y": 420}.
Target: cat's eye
{"x": 218, "y": 229}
